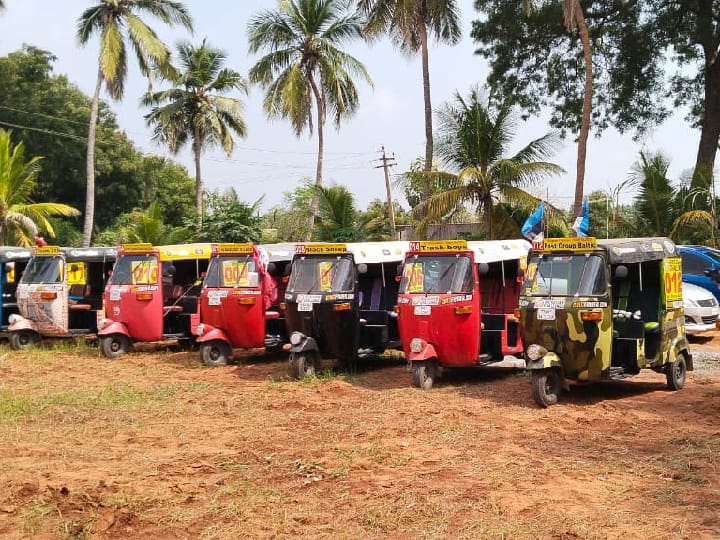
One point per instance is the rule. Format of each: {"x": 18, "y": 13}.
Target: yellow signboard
{"x": 136, "y": 248}
{"x": 436, "y": 246}
{"x": 144, "y": 272}
{"x": 567, "y": 244}
{"x": 243, "y": 249}
{"x": 672, "y": 277}
{"x": 47, "y": 250}
{"x": 77, "y": 273}
{"x": 235, "y": 273}
{"x": 320, "y": 249}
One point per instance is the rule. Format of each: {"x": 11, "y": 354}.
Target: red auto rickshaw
{"x": 456, "y": 305}
{"x": 152, "y": 295}
{"x": 236, "y": 302}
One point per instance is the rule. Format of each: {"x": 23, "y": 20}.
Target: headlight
{"x": 13, "y": 318}
{"x": 200, "y": 329}
{"x": 102, "y": 323}
{"x": 417, "y": 345}
{"x": 296, "y": 338}
{"x": 535, "y": 352}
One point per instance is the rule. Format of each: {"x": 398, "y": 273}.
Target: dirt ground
{"x": 155, "y": 446}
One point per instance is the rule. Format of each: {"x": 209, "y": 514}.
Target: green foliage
{"x": 375, "y": 223}
{"x": 146, "y": 226}
{"x": 338, "y": 217}
{"x": 289, "y": 219}
{"x": 226, "y": 220}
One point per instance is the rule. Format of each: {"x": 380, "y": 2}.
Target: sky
{"x": 271, "y": 160}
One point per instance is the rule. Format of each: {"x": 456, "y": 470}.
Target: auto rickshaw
{"x": 594, "y": 310}
{"x": 60, "y": 294}
{"x": 339, "y": 302}
{"x": 152, "y": 295}
{"x": 236, "y": 302}
{"x": 457, "y": 305}
{"x": 13, "y": 261}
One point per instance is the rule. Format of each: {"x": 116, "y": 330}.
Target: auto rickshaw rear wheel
{"x": 424, "y": 374}
{"x": 546, "y": 386}
{"x": 215, "y": 353}
{"x": 676, "y": 373}
{"x": 114, "y": 345}
{"x": 303, "y": 364}
{"x": 22, "y": 339}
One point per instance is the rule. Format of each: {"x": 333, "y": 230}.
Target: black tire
{"x": 424, "y": 374}
{"x": 114, "y": 345}
{"x": 546, "y": 386}
{"x": 22, "y": 339}
{"x": 303, "y": 365}
{"x": 676, "y": 373}
{"x": 215, "y": 353}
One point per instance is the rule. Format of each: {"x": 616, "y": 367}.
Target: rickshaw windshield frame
{"x": 44, "y": 270}
{"x": 322, "y": 274}
{"x": 563, "y": 274}
{"x": 437, "y": 274}
{"x": 230, "y": 271}
{"x": 135, "y": 269}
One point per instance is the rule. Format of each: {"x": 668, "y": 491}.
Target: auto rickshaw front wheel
{"x": 676, "y": 373}
{"x": 215, "y": 353}
{"x": 546, "y": 386}
{"x": 304, "y": 364}
{"x": 114, "y": 345}
{"x": 22, "y": 339}
{"x": 424, "y": 374}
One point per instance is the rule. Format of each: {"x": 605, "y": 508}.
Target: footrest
{"x": 80, "y": 307}
{"x": 167, "y": 309}
{"x": 272, "y": 315}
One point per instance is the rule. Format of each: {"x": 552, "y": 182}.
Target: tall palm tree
{"x": 21, "y": 219}
{"x": 118, "y": 24}
{"x": 304, "y": 63}
{"x": 574, "y": 18}
{"x": 472, "y": 137}
{"x": 409, "y": 22}
{"x": 194, "y": 109}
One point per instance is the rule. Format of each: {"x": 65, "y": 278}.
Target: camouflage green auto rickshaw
{"x": 594, "y": 310}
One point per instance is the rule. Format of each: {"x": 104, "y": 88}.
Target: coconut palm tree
{"x": 20, "y": 218}
{"x": 409, "y": 23}
{"x": 338, "y": 216}
{"x": 148, "y": 226}
{"x": 473, "y": 136}
{"x": 195, "y": 110}
{"x": 118, "y": 24}
{"x": 305, "y": 66}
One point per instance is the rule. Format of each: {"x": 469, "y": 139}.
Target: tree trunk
{"x": 315, "y": 202}
{"x": 426, "y": 95}
{"x": 197, "y": 148}
{"x": 710, "y": 133}
{"x": 587, "y": 107}
{"x": 90, "y": 165}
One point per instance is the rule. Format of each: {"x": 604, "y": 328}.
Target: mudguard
{"x": 427, "y": 353}
{"x": 307, "y": 344}
{"x": 550, "y": 360}
{"x": 23, "y": 324}
{"x": 212, "y": 334}
{"x": 114, "y": 327}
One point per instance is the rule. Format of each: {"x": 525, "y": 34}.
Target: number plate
{"x": 115, "y": 295}
{"x": 305, "y": 306}
{"x": 546, "y": 314}
{"x": 422, "y": 310}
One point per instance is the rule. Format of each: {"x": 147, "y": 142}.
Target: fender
{"x": 115, "y": 327}
{"x": 212, "y": 334}
{"x": 550, "y": 360}
{"x": 307, "y": 344}
{"x": 677, "y": 347}
{"x": 427, "y": 353}
{"x": 23, "y": 324}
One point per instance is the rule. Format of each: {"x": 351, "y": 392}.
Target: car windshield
{"x": 437, "y": 274}
{"x": 44, "y": 270}
{"x": 135, "y": 270}
{"x": 565, "y": 275}
{"x": 713, "y": 254}
{"x": 231, "y": 271}
{"x": 322, "y": 274}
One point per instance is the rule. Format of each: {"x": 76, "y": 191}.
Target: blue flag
{"x": 533, "y": 227}
{"x": 582, "y": 221}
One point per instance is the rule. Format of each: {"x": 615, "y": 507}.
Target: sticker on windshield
{"x": 326, "y": 274}
{"x": 77, "y": 273}
{"x": 414, "y": 274}
{"x": 144, "y": 272}
{"x": 235, "y": 273}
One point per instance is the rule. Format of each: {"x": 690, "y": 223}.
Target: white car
{"x": 701, "y": 309}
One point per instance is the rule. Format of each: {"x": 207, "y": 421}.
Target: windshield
{"x": 713, "y": 254}
{"x": 44, "y": 270}
{"x": 437, "y": 274}
{"x": 231, "y": 271}
{"x": 565, "y": 275}
{"x": 135, "y": 270}
{"x": 322, "y": 274}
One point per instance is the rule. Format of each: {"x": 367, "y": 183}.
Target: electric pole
{"x": 388, "y": 162}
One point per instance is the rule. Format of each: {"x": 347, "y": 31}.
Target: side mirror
{"x": 621, "y": 272}
{"x": 271, "y": 268}
{"x": 253, "y": 279}
{"x": 362, "y": 268}
{"x": 399, "y": 270}
{"x": 713, "y": 273}
{"x": 483, "y": 268}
